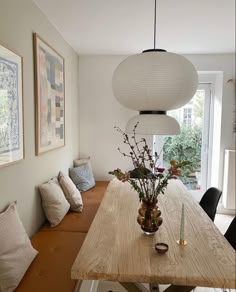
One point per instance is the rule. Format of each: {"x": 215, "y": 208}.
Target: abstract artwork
{"x": 11, "y": 107}
{"x": 50, "y": 97}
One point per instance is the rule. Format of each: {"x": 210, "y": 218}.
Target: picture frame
{"x": 49, "y": 97}
{"x": 11, "y": 107}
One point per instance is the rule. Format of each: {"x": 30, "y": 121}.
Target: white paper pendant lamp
{"x": 150, "y": 124}
{"x": 154, "y": 81}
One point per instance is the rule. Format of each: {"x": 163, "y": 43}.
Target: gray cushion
{"x": 82, "y": 177}
{"x": 16, "y": 251}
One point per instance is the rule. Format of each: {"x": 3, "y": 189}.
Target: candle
{"x": 182, "y": 225}
{"x": 181, "y": 240}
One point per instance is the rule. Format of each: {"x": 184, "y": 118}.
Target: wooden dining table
{"x": 116, "y": 249}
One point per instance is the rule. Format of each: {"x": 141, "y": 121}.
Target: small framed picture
{"x": 49, "y": 97}
{"x": 11, "y": 107}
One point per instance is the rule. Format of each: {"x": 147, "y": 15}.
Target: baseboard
{"x": 226, "y": 212}
{"x": 222, "y": 210}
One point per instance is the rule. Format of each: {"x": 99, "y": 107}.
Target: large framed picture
{"x": 49, "y": 97}
{"x": 11, "y": 107}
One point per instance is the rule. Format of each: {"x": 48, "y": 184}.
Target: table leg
{"x": 77, "y": 285}
{"x": 130, "y": 287}
{"x": 175, "y": 288}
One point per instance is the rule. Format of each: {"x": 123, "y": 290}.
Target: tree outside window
{"x": 187, "y": 145}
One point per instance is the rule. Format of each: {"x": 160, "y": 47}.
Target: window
{"x": 192, "y": 143}
{"x": 187, "y": 118}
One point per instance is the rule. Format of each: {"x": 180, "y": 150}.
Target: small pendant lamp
{"x": 152, "y": 83}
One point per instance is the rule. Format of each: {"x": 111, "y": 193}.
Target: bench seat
{"x": 59, "y": 246}
{"x": 74, "y": 222}
{"x": 50, "y": 271}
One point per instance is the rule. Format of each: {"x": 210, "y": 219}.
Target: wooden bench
{"x": 59, "y": 246}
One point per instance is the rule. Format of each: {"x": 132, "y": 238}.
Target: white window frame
{"x": 214, "y": 79}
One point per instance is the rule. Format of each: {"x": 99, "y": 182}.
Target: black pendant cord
{"x": 155, "y": 21}
{"x": 155, "y": 25}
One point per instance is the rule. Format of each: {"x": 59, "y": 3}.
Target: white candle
{"x": 182, "y": 224}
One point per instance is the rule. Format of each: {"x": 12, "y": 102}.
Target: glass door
{"x": 193, "y": 142}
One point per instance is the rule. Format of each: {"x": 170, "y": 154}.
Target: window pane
{"x": 187, "y": 145}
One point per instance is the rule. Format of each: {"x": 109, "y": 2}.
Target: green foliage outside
{"x": 186, "y": 146}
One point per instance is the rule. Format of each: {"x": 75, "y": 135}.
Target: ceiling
{"x": 126, "y": 26}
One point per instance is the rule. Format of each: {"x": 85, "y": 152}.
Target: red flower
{"x": 160, "y": 169}
{"x": 173, "y": 170}
{"x": 127, "y": 175}
{"x": 120, "y": 175}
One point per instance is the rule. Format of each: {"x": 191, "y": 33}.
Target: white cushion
{"x": 71, "y": 193}
{"x": 81, "y": 161}
{"x": 16, "y": 251}
{"x": 54, "y": 202}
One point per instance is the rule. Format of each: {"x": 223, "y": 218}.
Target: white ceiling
{"x": 126, "y": 26}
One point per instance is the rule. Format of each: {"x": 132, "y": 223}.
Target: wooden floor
{"x": 221, "y": 221}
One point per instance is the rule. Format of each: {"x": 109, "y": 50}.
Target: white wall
{"x": 18, "y": 20}
{"x": 100, "y": 111}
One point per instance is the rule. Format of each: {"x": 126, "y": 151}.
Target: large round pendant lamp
{"x": 152, "y": 83}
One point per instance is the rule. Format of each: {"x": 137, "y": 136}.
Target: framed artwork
{"x": 11, "y": 107}
{"x": 49, "y": 97}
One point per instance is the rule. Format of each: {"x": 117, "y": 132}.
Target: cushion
{"x": 80, "y": 161}
{"x": 50, "y": 271}
{"x": 16, "y": 251}
{"x": 54, "y": 202}
{"x": 74, "y": 221}
{"x": 80, "y": 222}
{"x": 71, "y": 193}
{"x": 82, "y": 177}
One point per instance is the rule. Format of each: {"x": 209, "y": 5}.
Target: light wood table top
{"x": 116, "y": 249}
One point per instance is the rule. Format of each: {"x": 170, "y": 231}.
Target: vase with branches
{"x": 147, "y": 178}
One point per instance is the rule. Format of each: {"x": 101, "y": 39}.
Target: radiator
{"x": 229, "y": 180}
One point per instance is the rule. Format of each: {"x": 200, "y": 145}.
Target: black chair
{"x": 209, "y": 201}
{"x": 230, "y": 234}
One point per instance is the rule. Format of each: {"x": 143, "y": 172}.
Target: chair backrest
{"x": 210, "y": 201}
{"x": 230, "y": 234}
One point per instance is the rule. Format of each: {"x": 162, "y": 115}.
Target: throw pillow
{"x": 16, "y": 251}
{"x": 80, "y": 161}
{"x": 54, "y": 202}
{"x": 71, "y": 193}
{"x": 82, "y": 177}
